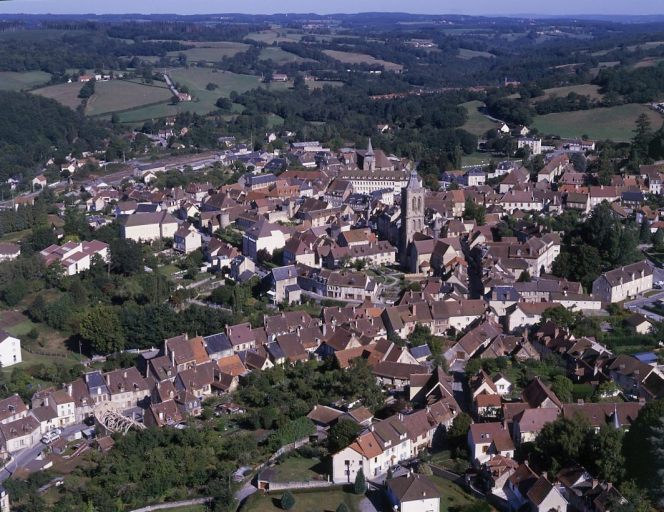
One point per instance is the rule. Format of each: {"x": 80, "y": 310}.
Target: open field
{"x": 616, "y": 123}
{"x": 213, "y": 51}
{"x": 326, "y": 500}
{"x": 299, "y": 469}
{"x": 67, "y": 94}
{"x": 584, "y": 90}
{"x": 279, "y": 56}
{"x": 362, "y": 58}
{"x": 275, "y": 36}
{"x": 466, "y": 54}
{"x": 477, "y": 124}
{"x": 648, "y": 62}
{"x": 117, "y": 95}
{"x": 11, "y": 81}
{"x": 452, "y": 496}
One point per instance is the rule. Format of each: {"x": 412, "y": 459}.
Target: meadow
{"x": 13, "y": 81}
{"x": 275, "y": 36}
{"x": 118, "y": 95}
{"x": 615, "y": 123}
{"x": 477, "y": 124}
{"x": 210, "y": 51}
{"x": 583, "y": 89}
{"x": 66, "y": 94}
{"x": 279, "y": 56}
{"x": 467, "y": 54}
{"x": 361, "y": 58}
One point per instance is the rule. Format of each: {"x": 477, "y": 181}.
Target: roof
{"x": 536, "y": 392}
{"x": 539, "y": 490}
{"x": 413, "y": 487}
{"x": 324, "y": 415}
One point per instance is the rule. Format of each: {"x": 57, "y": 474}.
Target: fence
{"x": 175, "y": 504}
{"x": 311, "y": 484}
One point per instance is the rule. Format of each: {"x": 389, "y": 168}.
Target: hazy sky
{"x": 569, "y": 7}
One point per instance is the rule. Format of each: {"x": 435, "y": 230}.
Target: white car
{"x": 50, "y": 437}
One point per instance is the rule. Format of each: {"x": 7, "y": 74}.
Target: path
{"x": 175, "y": 504}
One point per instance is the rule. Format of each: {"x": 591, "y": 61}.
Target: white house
{"x": 10, "y": 350}
{"x": 488, "y": 439}
{"x": 413, "y": 493}
{"x": 186, "y": 239}
{"x": 75, "y": 257}
{"x": 147, "y": 227}
{"x": 262, "y": 236}
{"x": 624, "y": 282}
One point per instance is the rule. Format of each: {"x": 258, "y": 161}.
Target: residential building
{"x": 10, "y": 350}
{"x": 624, "y": 283}
{"x": 75, "y": 257}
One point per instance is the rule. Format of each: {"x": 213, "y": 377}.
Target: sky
{"x": 475, "y": 7}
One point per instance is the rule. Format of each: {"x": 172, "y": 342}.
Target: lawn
{"x": 279, "y": 56}
{"x": 12, "y": 81}
{"x": 477, "y": 124}
{"x": 615, "y": 123}
{"x": 452, "y": 496}
{"x": 119, "y": 95}
{"x": 213, "y": 51}
{"x": 561, "y": 92}
{"x": 326, "y": 500}
{"x": 361, "y": 58}
{"x": 299, "y": 469}
{"x": 466, "y": 54}
{"x": 67, "y": 94}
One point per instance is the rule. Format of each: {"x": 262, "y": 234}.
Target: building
{"x": 535, "y": 145}
{"x": 9, "y": 251}
{"x": 186, "y": 239}
{"x": 412, "y": 214}
{"x": 624, "y": 282}
{"x": 75, "y": 257}
{"x": 263, "y": 236}
{"x": 148, "y": 227}
{"x": 413, "y": 493}
{"x": 10, "y": 350}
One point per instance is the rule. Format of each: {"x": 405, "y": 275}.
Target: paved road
{"x": 638, "y": 305}
{"x": 24, "y": 457}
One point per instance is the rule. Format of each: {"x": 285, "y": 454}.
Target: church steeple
{"x": 370, "y": 151}
{"x": 369, "y": 158}
{"x": 412, "y": 217}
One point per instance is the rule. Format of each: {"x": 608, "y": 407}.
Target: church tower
{"x": 369, "y": 160}
{"x": 412, "y": 214}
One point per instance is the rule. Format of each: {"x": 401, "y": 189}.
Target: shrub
{"x": 287, "y": 501}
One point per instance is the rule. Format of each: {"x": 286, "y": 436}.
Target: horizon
{"x": 515, "y": 8}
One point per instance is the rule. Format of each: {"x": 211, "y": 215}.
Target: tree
{"x": 459, "y": 430}
{"x": 126, "y": 257}
{"x": 341, "y": 435}
{"x": 360, "y": 485}
{"x": 657, "y": 442}
{"x": 559, "y": 443}
{"x": 639, "y": 449}
{"x": 604, "y": 454}
{"x": 642, "y": 137}
{"x": 101, "y": 327}
{"x": 287, "y": 501}
{"x": 658, "y": 240}
{"x": 562, "y": 387}
{"x": 342, "y": 508}
{"x": 644, "y": 232}
{"x": 524, "y": 277}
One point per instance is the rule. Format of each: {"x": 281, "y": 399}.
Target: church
{"x": 412, "y": 215}
{"x": 373, "y": 160}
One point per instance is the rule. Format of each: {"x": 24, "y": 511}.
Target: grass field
{"x": 615, "y": 123}
{"x": 324, "y": 501}
{"x": 452, "y": 496}
{"x": 118, "y": 95}
{"x": 477, "y": 124}
{"x": 11, "y": 81}
{"x": 466, "y": 54}
{"x": 361, "y": 58}
{"x": 299, "y": 469}
{"x": 278, "y": 36}
{"x": 67, "y": 94}
{"x": 561, "y": 92}
{"x": 279, "y": 56}
{"x": 196, "y": 79}
{"x": 648, "y": 62}
{"x": 213, "y": 51}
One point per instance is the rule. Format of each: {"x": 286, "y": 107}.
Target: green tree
{"x": 342, "y": 508}
{"x": 563, "y": 388}
{"x": 559, "y": 443}
{"x": 360, "y": 485}
{"x": 642, "y": 137}
{"x": 657, "y": 443}
{"x": 287, "y": 501}
{"x": 644, "y": 232}
{"x": 101, "y": 327}
{"x": 639, "y": 449}
{"x": 458, "y": 432}
{"x": 604, "y": 454}
{"x": 126, "y": 257}
{"x": 341, "y": 435}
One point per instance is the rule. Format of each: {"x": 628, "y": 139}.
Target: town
{"x": 201, "y": 316}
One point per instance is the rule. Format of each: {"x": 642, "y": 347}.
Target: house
{"x": 10, "y": 350}
{"x": 9, "y": 251}
{"x": 639, "y": 323}
{"x": 11, "y": 409}
{"x": 262, "y": 236}
{"x": 413, "y": 493}
{"x": 148, "y": 227}
{"x": 534, "y": 145}
{"x": 624, "y": 282}
{"x": 488, "y": 439}
{"x": 186, "y": 239}
{"x": 284, "y": 287}
{"x": 127, "y": 388}
{"x": 19, "y": 434}
{"x": 163, "y": 414}
{"x": 75, "y": 257}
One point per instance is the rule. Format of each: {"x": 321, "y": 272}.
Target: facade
{"x": 624, "y": 282}
{"x": 148, "y": 227}
{"x": 10, "y": 350}
{"x": 413, "y": 493}
{"x": 186, "y": 239}
{"x": 75, "y": 257}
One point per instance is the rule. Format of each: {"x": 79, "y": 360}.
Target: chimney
{"x": 108, "y": 379}
{"x": 173, "y": 359}
{"x": 124, "y": 374}
{"x": 70, "y": 389}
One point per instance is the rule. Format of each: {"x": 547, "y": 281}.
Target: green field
{"x": 466, "y": 54}
{"x": 477, "y": 124}
{"x": 279, "y": 56}
{"x": 361, "y": 58}
{"x": 452, "y": 496}
{"x": 615, "y": 123}
{"x": 323, "y": 500}
{"x": 118, "y": 95}
{"x": 11, "y": 81}
{"x": 67, "y": 94}
{"x": 275, "y": 36}
{"x": 213, "y": 51}
{"x": 561, "y": 92}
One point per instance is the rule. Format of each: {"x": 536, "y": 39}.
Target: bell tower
{"x": 412, "y": 214}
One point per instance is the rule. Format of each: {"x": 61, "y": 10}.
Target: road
{"x": 24, "y": 457}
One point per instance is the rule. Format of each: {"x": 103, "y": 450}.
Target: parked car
{"x": 50, "y": 437}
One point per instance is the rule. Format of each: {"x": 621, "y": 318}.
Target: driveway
{"x": 638, "y": 305}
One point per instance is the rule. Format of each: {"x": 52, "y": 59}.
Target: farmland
{"x": 275, "y": 36}
{"x": 12, "y": 81}
{"x": 66, "y": 94}
{"x": 279, "y": 56}
{"x": 466, "y": 54}
{"x": 361, "y": 58}
{"x": 615, "y": 123}
{"x": 584, "y": 90}
{"x": 477, "y": 124}
{"x": 213, "y": 51}
{"x": 118, "y": 95}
